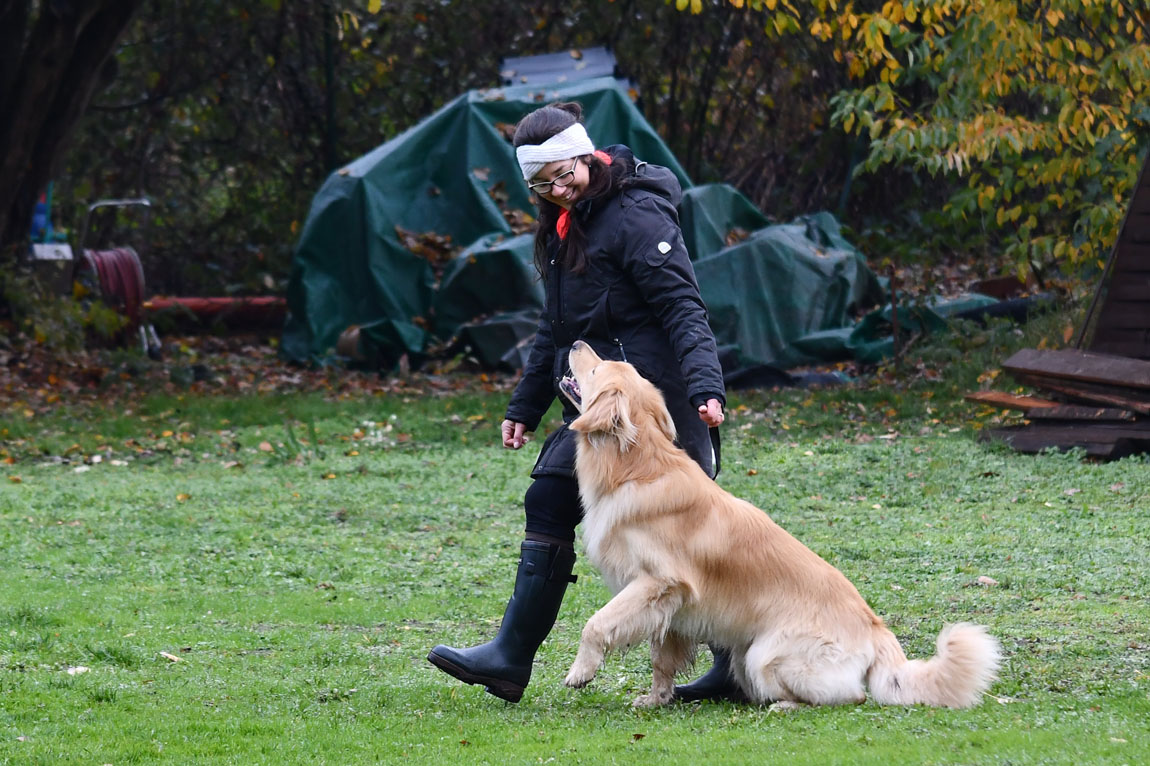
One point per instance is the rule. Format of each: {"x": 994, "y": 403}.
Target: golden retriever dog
{"x": 689, "y": 562}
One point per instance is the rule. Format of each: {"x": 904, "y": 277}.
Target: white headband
{"x": 568, "y": 143}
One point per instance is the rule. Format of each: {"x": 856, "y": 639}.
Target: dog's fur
{"x": 690, "y": 562}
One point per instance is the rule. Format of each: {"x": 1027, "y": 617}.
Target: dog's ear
{"x": 608, "y": 414}
{"x": 664, "y": 421}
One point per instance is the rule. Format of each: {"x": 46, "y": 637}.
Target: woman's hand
{"x": 514, "y": 434}
{"x": 710, "y": 413}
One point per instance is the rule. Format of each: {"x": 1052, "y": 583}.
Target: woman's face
{"x": 562, "y": 182}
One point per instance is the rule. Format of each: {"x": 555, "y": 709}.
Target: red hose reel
{"x": 120, "y": 277}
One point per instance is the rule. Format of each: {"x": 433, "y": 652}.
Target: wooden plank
{"x": 1132, "y": 268}
{"x": 1007, "y": 401}
{"x": 1078, "y": 365}
{"x": 1079, "y": 412}
{"x": 1124, "y": 314}
{"x": 1130, "y": 287}
{"x": 1095, "y": 432}
{"x": 1133, "y": 349}
{"x": 1137, "y": 228}
{"x": 1132, "y": 257}
{"x": 1028, "y": 441}
{"x": 1140, "y": 205}
{"x": 1087, "y": 392}
{"x": 1008, "y": 287}
{"x": 1083, "y": 433}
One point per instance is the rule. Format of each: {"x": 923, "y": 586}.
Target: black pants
{"x": 553, "y": 508}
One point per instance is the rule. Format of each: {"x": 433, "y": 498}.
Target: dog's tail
{"x": 964, "y": 665}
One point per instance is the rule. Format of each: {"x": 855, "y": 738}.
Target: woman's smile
{"x": 569, "y": 178}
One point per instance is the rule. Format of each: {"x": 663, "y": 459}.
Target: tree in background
{"x": 741, "y": 102}
{"x": 229, "y": 115}
{"x": 53, "y": 57}
{"x": 1033, "y": 115}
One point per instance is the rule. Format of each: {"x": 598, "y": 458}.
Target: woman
{"x": 617, "y": 276}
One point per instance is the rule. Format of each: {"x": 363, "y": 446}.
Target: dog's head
{"x": 615, "y": 402}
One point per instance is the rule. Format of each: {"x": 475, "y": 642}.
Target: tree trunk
{"x": 52, "y": 63}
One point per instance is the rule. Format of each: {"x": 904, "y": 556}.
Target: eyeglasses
{"x": 561, "y": 180}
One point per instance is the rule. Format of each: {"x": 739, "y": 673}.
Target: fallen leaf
{"x": 266, "y": 447}
{"x": 183, "y": 498}
{"x": 1072, "y": 491}
{"x": 77, "y": 670}
{"x": 15, "y": 479}
{"x": 170, "y": 657}
{"x": 636, "y": 737}
{"x": 988, "y": 581}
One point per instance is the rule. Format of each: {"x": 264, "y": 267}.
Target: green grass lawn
{"x": 218, "y": 588}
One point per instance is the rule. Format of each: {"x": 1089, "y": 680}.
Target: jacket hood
{"x": 653, "y": 178}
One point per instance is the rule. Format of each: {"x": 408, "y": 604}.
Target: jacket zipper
{"x": 558, "y": 280}
{"x": 607, "y": 326}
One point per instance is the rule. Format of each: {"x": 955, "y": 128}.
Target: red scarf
{"x": 563, "y": 223}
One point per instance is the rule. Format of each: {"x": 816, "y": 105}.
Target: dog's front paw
{"x": 583, "y": 669}
{"x": 578, "y": 678}
{"x": 653, "y": 700}
{"x": 784, "y": 706}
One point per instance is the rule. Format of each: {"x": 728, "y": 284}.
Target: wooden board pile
{"x": 1098, "y": 402}
{"x": 1100, "y": 397}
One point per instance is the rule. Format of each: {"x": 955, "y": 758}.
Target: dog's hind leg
{"x": 643, "y": 609}
{"x": 669, "y": 654}
{"x": 760, "y": 674}
{"x": 817, "y": 671}
{"x": 836, "y": 680}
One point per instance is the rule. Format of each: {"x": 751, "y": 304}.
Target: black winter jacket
{"x": 637, "y": 300}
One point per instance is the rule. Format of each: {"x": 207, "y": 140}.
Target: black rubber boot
{"x": 718, "y": 683}
{"x": 503, "y": 665}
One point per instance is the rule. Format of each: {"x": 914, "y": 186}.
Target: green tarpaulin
{"x": 441, "y": 176}
{"x": 492, "y": 275}
{"x": 714, "y": 216}
{"x": 784, "y": 282}
{"x": 778, "y": 295}
{"x": 871, "y": 339}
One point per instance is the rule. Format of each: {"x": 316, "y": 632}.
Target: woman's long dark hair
{"x": 603, "y": 181}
